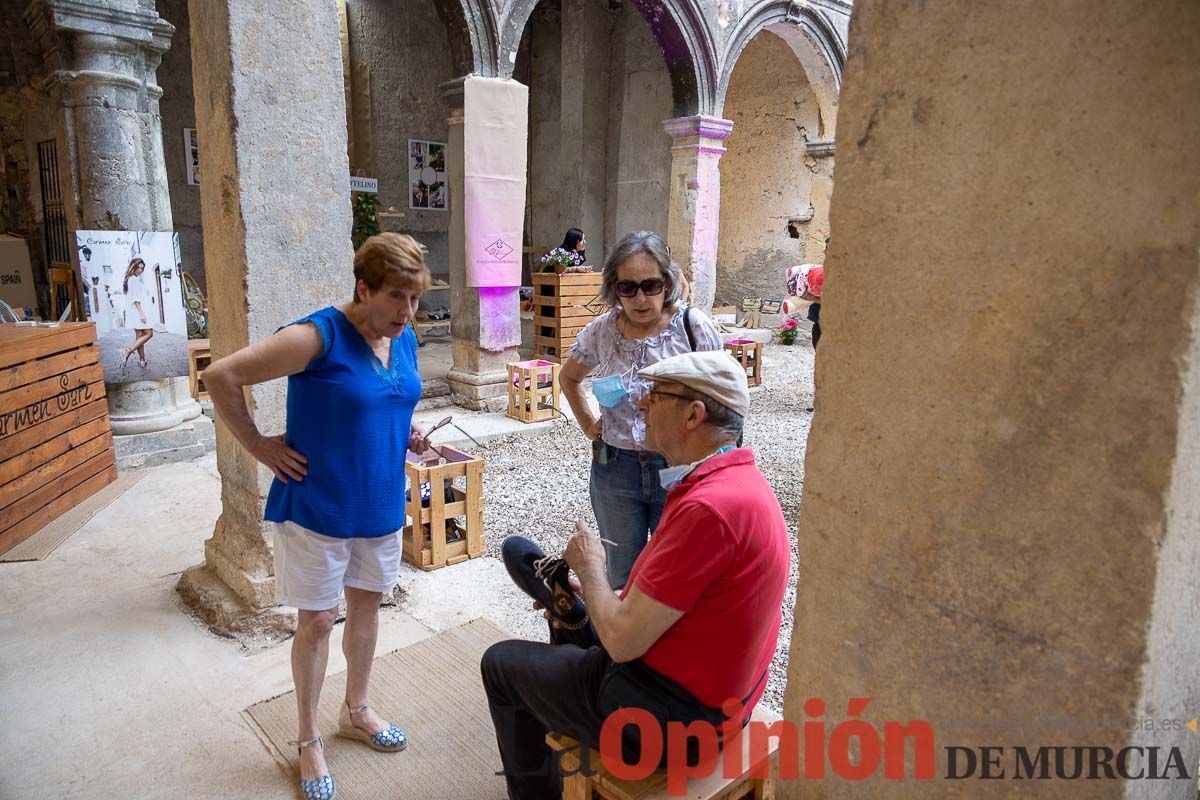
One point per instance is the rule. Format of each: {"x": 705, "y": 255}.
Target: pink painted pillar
{"x": 696, "y": 150}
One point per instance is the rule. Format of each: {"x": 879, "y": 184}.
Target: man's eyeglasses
{"x": 649, "y": 287}
{"x": 656, "y": 392}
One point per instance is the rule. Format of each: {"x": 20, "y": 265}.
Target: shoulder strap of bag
{"x": 687, "y": 327}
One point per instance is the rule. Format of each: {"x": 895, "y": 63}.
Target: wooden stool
{"x": 605, "y": 786}
{"x": 199, "y": 357}
{"x": 749, "y": 354}
{"x": 63, "y": 293}
{"x": 533, "y": 390}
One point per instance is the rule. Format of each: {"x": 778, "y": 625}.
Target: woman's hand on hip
{"x": 279, "y": 458}
{"x": 593, "y": 430}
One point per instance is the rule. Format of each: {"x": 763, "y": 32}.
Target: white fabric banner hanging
{"x": 495, "y": 141}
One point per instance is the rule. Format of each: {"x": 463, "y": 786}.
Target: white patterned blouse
{"x": 601, "y": 348}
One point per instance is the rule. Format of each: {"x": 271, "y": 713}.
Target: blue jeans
{"x": 627, "y": 499}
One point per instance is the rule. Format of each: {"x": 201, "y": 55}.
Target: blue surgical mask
{"x": 609, "y": 390}
{"x": 671, "y": 476}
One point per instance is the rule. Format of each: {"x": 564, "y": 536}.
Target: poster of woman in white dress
{"x": 135, "y": 296}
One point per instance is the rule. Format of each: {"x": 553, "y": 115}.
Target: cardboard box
{"x": 16, "y": 276}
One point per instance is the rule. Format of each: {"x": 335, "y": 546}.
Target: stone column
{"x": 820, "y": 161}
{"x": 694, "y": 222}
{"x": 485, "y": 323}
{"x": 583, "y": 103}
{"x": 102, "y": 61}
{"x": 276, "y": 208}
{"x": 1000, "y": 530}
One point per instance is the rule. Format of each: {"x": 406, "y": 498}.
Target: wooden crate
{"x": 55, "y": 442}
{"x": 597, "y": 783}
{"x": 533, "y": 390}
{"x": 425, "y": 544}
{"x": 749, "y": 354}
{"x": 199, "y": 357}
{"x": 562, "y": 306}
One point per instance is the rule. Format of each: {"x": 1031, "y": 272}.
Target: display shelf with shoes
{"x": 438, "y": 317}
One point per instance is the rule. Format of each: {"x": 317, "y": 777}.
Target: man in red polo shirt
{"x": 698, "y": 621}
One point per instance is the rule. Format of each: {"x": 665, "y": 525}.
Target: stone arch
{"x": 814, "y": 40}
{"x": 683, "y": 37}
{"x": 773, "y": 204}
{"x": 472, "y": 28}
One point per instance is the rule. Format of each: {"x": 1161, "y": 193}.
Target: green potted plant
{"x": 366, "y": 223}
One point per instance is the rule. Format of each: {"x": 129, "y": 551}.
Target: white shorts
{"x": 311, "y": 569}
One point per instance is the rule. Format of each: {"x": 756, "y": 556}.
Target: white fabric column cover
{"x": 495, "y": 141}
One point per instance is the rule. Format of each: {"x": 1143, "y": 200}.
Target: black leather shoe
{"x": 544, "y": 578}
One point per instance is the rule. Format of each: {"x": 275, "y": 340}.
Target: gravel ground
{"x": 537, "y": 486}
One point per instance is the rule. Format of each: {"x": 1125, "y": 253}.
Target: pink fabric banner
{"x": 495, "y": 138}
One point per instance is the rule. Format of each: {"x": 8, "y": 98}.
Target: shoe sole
{"x": 365, "y": 738}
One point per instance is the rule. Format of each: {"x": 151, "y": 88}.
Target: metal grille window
{"x": 58, "y": 241}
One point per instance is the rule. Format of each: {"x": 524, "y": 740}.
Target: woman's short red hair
{"x": 390, "y": 258}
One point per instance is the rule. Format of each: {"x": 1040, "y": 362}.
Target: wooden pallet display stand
{"x": 56, "y": 446}
{"x": 562, "y": 306}
{"x": 748, "y": 353}
{"x": 600, "y": 784}
{"x": 199, "y": 357}
{"x": 533, "y": 391}
{"x": 425, "y": 544}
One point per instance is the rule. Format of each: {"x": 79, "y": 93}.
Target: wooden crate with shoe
{"x": 445, "y": 522}
{"x": 533, "y": 391}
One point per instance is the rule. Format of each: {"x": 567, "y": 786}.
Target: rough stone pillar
{"x": 478, "y": 316}
{"x": 102, "y": 60}
{"x": 1001, "y": 522}
{"x": 583, "y": 103}
{"x": 276, "y": 208}
{"x": 694, "y": 222}
{"x": 820, "y": 156}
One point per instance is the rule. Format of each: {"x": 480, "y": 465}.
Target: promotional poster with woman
{"x": 133, "y": 292}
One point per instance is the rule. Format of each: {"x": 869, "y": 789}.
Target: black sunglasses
{"x": 649, "y": 287}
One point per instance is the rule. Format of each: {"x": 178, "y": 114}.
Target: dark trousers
{"x": 814, "y": 315}
{"x": 533, "y": 688}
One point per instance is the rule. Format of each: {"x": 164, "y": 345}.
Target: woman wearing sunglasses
{"x": 648, "y": 322}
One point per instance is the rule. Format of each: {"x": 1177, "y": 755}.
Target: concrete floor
{"x": 111, "y": 691}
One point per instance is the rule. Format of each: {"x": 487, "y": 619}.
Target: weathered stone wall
{"x": 564, "y": 58}
{"x": 25, "y": 119}
{"x": 178, "y": 110}
{"x": 540, "y": 60}
{"x": 1000, "y": 507}
{"x": 765, "y": 175}
{"x": 639, "y": 152}
{"x": 399, "y": 54}
{"x": 586, "y": 54}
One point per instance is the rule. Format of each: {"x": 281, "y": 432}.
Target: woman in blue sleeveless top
{"x": 337, "y": 501}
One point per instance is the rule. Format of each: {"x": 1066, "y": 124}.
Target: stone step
{"x": 435, "y": 393}
{"x": 184, "y": 442}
